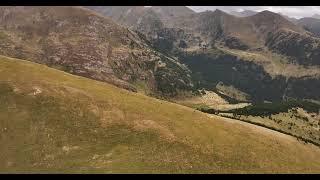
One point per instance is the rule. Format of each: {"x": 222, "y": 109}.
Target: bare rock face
{"x": 302, "y": 49}
{"x": 310, "y": 24}
{"x": 81, "y": 42}
{"x": 184, "y": 34}
{"x": 165, "y": 30}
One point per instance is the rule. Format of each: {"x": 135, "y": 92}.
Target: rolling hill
{"x": 52, "y": 121}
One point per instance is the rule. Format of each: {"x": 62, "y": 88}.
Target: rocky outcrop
{"x": 81, "y": 42}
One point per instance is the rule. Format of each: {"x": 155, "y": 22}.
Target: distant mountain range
{"x": 259, "y": 33}
{"x": 310, "y": 24}
{"x": 153, "y": 49}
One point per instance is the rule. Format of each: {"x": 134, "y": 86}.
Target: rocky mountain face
{"x": 207, "y": 25}
{"x": 291, "y": 19}
{"x": 302, "y": 49}
{"x": 195, "y": 39}
{"x": 166, "y": 51}
{"x": 124, "y": 15}
{"x": 166, "y": 13}
{"x": 133, "y": 16}
{"x": 81, "y": 42}
{"x": 265, "y": 30}
{"x": 310, "y": 24}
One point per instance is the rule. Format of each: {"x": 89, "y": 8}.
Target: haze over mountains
{"x": 261, "y": 64}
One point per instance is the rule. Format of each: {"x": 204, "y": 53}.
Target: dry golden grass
{"x": 210, "y": 100}
{"x": 70, "y": 124}
{"x": 296, "y": 121}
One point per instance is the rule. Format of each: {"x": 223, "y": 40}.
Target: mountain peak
{"x": 244, "y": 13}
{"x": 317, "y": 16}
{"x": 268, "y": 13}
{"x": 172, "y": 11}
{"x": 269, "y": 16}
{"x": 218, "y": 11}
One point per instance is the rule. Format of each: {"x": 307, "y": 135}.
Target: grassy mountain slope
{"x": 51, "y": 121}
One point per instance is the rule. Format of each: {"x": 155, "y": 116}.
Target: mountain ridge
{"x": 81, "y": 42}
{"x": 257, "y": 35}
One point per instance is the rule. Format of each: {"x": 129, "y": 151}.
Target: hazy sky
{"x": 292, "y": 11}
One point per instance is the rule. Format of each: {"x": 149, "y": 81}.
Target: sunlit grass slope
{"x": 51, "y": 121}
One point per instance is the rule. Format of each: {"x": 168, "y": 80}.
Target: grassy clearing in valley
{"x": 275, "y": 64}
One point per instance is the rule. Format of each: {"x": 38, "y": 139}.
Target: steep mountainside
{"x": 54, "y": 122}
{"x": 125, "y": 15}
{"x": 264, "y": 55}
{"x": 310, "y": 24}
{"x": 252, "y": 76}
{"x": 265, "y": 30}
{"x": 291, "y": 19}
{"x": 239, "y": 33}
{"x": 258, "y": 31}
{"x": 255, "y": 66}
{"x": 131, "y": 15}
{"x": 168, "y": 12}
{"x": 82, "y": 42}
